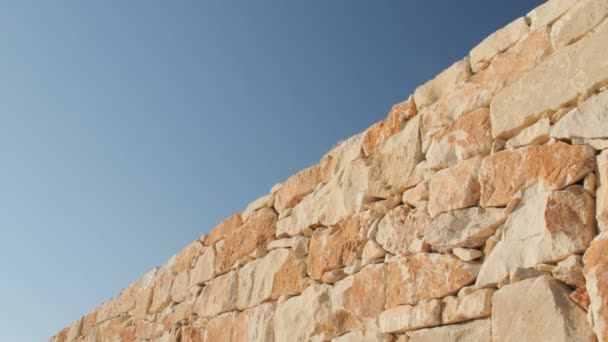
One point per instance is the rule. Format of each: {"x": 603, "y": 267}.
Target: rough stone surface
{"x": 219, "y": 296}
{"x": 596, "y": 275}
{"x": 300, "y": 317}
{"x": 470, "y": 306}
{"x": 580, "y": 19}
{"x": 392, "y": 168}
{"x": 504, "y": 173}
{"x": 434, "y": 89}
{"x": 223, "y": 228}
{"x": 401, "y": 229}
{"x": 540, "y": 299}
{"x": 548, "y": 12}
{"x": 377, "y": 134}
{"x": 467, "y": 137}
{"x": 570, "y": 271}
{"x": 220, "y": 328}
{"x": 296, "y": 187}
{"x": 467, "y": 254}
{"x": 468, "y": 228}
{"x": 478, "y": 331}
{"x": 536, "y": 134}
{"x": 586, "y": 121}
{"x": 266, "y": 201}
{"x": 545, "y": 228}
{"x": 186, "y": 258}
{"x": 340, "y": 157}
{"x": 409, "y": 317}
{"x": 569, "y": 72}
{"x": 499, "y": 41}
{"x": 204, "y": 269}
{"x": 455, "y": 188}
{"x": 425, "y": 276}
{"x": 255, "y": 324}
{"x": 601, "y": 193}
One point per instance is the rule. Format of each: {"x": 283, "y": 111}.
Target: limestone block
{"x": 587, "y": 121}
{"x": 266, "y": 201}
{"x": 455, "y": 187}
{"x": 499, "y": 41}
{"x": 255, "y": 324}
{"x": 204, "y": 269}
{"x": 601, "y": 193}
{"x": 186, "y": 258}
{"x": 596, "y": 275}
{"x": 223, "y": 228}
{"x": 570, "y": 271}
{"x": 340, "y": 157}
{"x": 296, "y": 187}
{"x": 409, "y": 317}
{"x": 179, "y": 289}
{"x": 378, "y": 133}
{"x": 467, "y": 254}
{"x": 221, "y": 328}
{"x": 372, "y": 251}
{"x": 548, "y": 12}
{"x": 478, "y": 331}
{"x": 581, "y": 18}
{"x": 467, "y": 307}
{"x": 537, "y": 134}
{"x": 432, "y": 90}
{"x": 219, "y": 296}
{"x": 400, "y": 231}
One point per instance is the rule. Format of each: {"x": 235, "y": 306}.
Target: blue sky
{"x": 130, "y": 128}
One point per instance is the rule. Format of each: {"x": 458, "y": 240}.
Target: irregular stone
{"x": 547, "y": 227}
{"x": 463, "y": 308}
{"x": 162, "y": 287}
{"x": 568, "y": 72}
{"x": 581, "y": 18}
{"x": 504, "y": 173}
{"x": 548, "y": 268}
{"x": 298, "y": 244}
{"x": 401, "y": 229}
{"x": 278, "y": 273}
{"x": 469, "y": 228}
{"x": 88, "y": 322}
{"x": 255, "y": 233}
{"x": 255, "y": 324}
{"x": 358, "y": 336}
{"x": 372, "y": 251}
{"x": 340, "y": 157}
{"x": 378, "y": 133}
{"x": 143, "y": 297}
{"x": 537, "y": 134}
{"x": 409, "y": 317}
{"x": 393, "y": 165}
{"x": 426, "y": 276}
{"x": 540, "y": 299}
{"x": 219, "y": 296}
{"x": 204, "y": 269}
{"x": 468, "y": 136}
{"x": 548, "y": 12}
{"x": 415, "y": 195}
{"x": 570, "y": 271}
{"x": 589, "y": 183}
{"x": 581, "y": 297}
{"x": 275, "y": 188}
{"x": 455, "y": 188}
{"x": 434, "y": 89}
{"x": 333, "y": 276}
{"x": 467, "y": 254}
{"x": 296, "y": 187}
{"x": 190, "y": 334}
{"x": 221, "y": 328}
{"x": 521, "y": 273}
{"x": 478, "y": 330}
{"x": 596, "y": 275}
{"x": 499, "y": 41}
{"x": 329, "y": 204}
{"x": 586, "y": 121}
{"x": 112, "y": 329}
{"x": 266, "y": 201}
{"x": 300, "y": 317}
{"x": 498, "y": 145}
{"x": 479, "y": 90}
{"x": 223, "y": 228}
{"x": 179, "y": 289}
{"x": 358, "y": 299}
{"x": 601, "y": 194}
{"x": 74, "y": 330}
{"x": 186, "y": 258}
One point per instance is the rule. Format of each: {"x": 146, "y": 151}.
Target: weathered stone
{"x": 219, "y": 296}
{"x": 372, "y": 251}
{"x": 504, "y": 173}
{"x": 400, "y": 231}
{"x": 255, "y": 324}
{"x": 88, "y": 322}
{"x": 162, "y": 287}
{"x": 190, "y": 334}
{"x": 278, "y": 273}
{"x": 298, "y": 244}
{"x": 463, "y": 308}
{"x": 112, "y": 329}
{"x": 417, "y": 194}
{"x": 300, "y": 317}
{"x": 467, "y": 254}
{"x": 358, "y": 299}
{"x": 589, "y": 183}
{"x": 521, "y": 273}
{"x": 479, "y": 90}
{"x": 596, "y": 275}
{"x": 393, "y": 165}
{"x": 432, "y": 90}
{"x": 186, "y": 258}
{"x": 499, "y": 41}
{"x": 455, "y": 188}
{"x": 329, "y": 204}
{"x": 468, "y": 228}
{"x": 517, "y": 310}
{"x": 266, "y": 201}
{"x": 548, "y": 12}
{"x": 179, "y": 289}
{"x": 144, "y": 296}
{"x": 425, "y": 276}
{"x": 74, "y": 330}
{"x": 568, "y": 72}
{"x": 296, "y": 187}
{"x": 333, "y": 276}
{"x": 378, "y": 133}
{"x": 204, "y": 269}
{"x": 409, "y": 317}
{"x": 468, "y": 136}
{"x": 223, "y": 228}
{"x": 478, "y": 331}
{"x": 340, "y": 157}
{"x": 581, "y": 297}
{"x": 586, "y": 121}
{"x": 581, "y": 18}
{"x": 537, "y": 134}
{"x": 548, "y": 268}
{"x": 570, "y": 271}
{"x": 359, "y": 336}
{"x": 545, "y": 228}
{"x": 255, "y": 233}
{"x": 221, "y": 328}
{"x": 601, "y": 194}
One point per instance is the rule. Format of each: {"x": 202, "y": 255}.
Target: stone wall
{"x": 471, "y": 213}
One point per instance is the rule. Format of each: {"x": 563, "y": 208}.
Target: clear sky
{"x": 130, "y": 128}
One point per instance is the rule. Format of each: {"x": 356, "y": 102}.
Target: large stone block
{"x": 548, "y": 12}
{"x": 401, "y": 229}
{"x": 296, "y": 187}
{"x": 340, "y": 157}
{"x": 596, "y": 275}
{"x": 255, "y": 324}
{"x": 455, "y": 187}
{"x": 580, "y": 19}
{"x": 219, "y": 296}
{"x": 601, "y": 194}
{"x": 586, "y": 121}
{"x": 409, "y": 317}
{"x": 380, "y": 132}
{"x": 478, "y": 331}
{"x": 499, "y": 41}
{"x": 434, "y": 89}
{"x": 223, "y": 228}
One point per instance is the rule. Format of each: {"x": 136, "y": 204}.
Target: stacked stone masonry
{"x": 476, "y": 211}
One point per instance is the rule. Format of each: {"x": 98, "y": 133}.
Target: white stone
{"x": 478, "y": 331}
{"x": 463, "y": 308}
{"x": 536, "y": 134}
{"x": 499, "y": 41}
{"x": 266, "y": 201}
{"x": 587, "y": 121}
{"x": 409, "y": 317}
{"x": 570, "y": 271}
{"x": 467, "y": 254}
{"x": 442, "y": 83}
{"x": 548, "y": 12}
{"x": 580, "y": 19}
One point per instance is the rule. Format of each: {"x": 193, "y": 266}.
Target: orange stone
{"x": 221, "y": 328}
{"x": 455, "y": 188}
{"x": 581, "y": 297}
{"x": 186, "y": 257}
{"x": 377, "y": 134}
{"x": 190, "y": 334}
{"x": 596, "y": 275}
{"x": 223, "y": 228}
{"x": 296, "y": 187}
